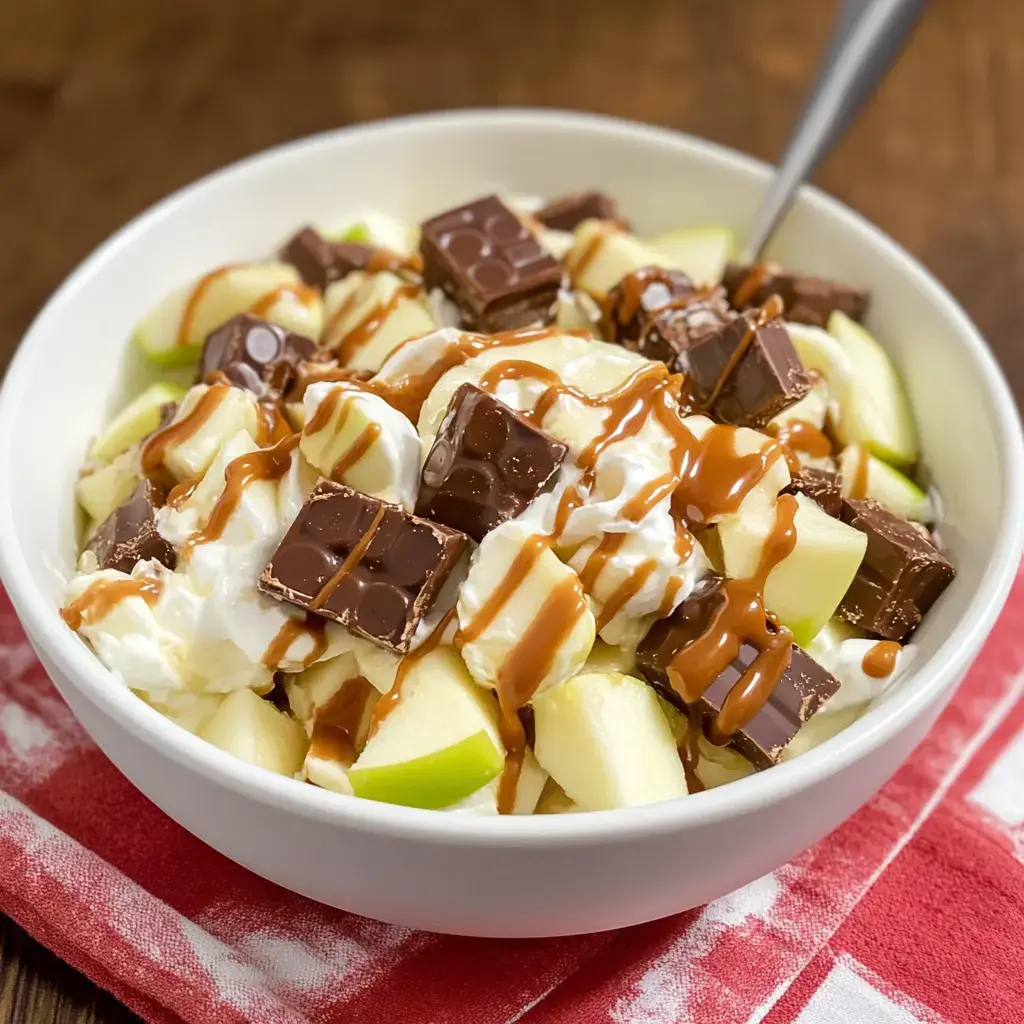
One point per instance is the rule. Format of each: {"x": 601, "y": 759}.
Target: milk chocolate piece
{"x": 806, "y": 299}
{"x": 799, "y": 693}
{"x": 320, "y": 262}
{"x": 486, "y": 465}
{"x": 365, "y": 563}
{"x": 565, "y": 212}
{"x": 669, "y": 333}
{"x": 821, "y": 486}
{"x": 636, "y": 297}
{"x": 767, "y": 379}
{"x": 901, "y": 576}
{"x": 490, "y": 265}
{"x": 256, "y": 355}
{"x": 129, "y": 535}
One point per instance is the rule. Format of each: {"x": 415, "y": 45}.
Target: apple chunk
{"x": 135, "y": 421}
{"x": 872, "y": 478}
{"x": 603, "y": 738}
{"x": 438, "y": 744}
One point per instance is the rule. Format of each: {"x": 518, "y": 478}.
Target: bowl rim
{"x": 74, "y": 660}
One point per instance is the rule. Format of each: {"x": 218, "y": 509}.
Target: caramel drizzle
{"x": 626, "y": 591}
{"x": 203, "y": 285}
{"x": 689, "y": 750}
{"x": 357, "y": 337}
{"x": 577, "y": 264}
{"x": 154, "y": 450}
{"x": 359, "y": 447}
{"x": 880, "y": 661}
{"x": 180, "y": 493}
{"x": 861, "y": 474}
{"x": 264, "y": 464}
{"x": 272, "y": 426}
{"x": 325, "y": 411}
{"x": 739, "y": 619}
{"x": 302, "y": 293}
{"x": 598, "y": 559}
{"x": 363, "y": 443}
{"x": 668, "y": 600}
{"x": 101, "y": 597}
{"x": 386, "y": 259}
{"x": 634, "y": 286}
{"x": 312, "y": 626}
{"x": 756, "y": 278}
{"x": 572, "y": 498}
{"x": 802, "y": 436}
{"x": 339, "y": 724}
{"x": 354, "y": 557}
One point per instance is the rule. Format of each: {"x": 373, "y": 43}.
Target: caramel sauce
{"x": 180, "y": 493}
{"x": 100, "y": 598}
{"x": 390, "y": 700}
{"x": 571, "y": 499}
{"x": 354, "y": 557}
{"x": 203, "y": 285}
{"x": 384, "y": 259}
{"x": 324, "y": 411}
{"x": 757, "y": 277}
{"x": 880, "y": 661}
{"x": 339, "y": 724}
{"x": 302, "y": 293}
{"x": 359, "y": 336}
{"x": 154, "y": 450}
{"x": 359, "y": 447}
{"x": 861, "y": 473}
{"x": 218, "y": 376}
{"x": 668, "y": 601}
{"x": 599, "y": 558}
{"x": 802, "y": 436}
{"x": 625, "y": 592}
{"x": 689, "y": 750}
{"x": 577, "y": 264}
{"x": 264, "y": 464}
{"x": 739, "y": 619}
{"x": 271, "y": 424}
{"x": 312, "y": 626}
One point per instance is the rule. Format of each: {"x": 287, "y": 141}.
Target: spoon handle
{"x": 868, "y": 36}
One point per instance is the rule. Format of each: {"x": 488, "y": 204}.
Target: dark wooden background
{"x": 106, "y": 105}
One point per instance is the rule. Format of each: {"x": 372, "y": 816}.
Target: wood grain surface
{"x": 106, "y": 105}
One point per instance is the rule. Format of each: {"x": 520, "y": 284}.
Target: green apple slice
{"x": 602, "y": 737}
{"x": 254, "y": 730}
{"x": 878, "y": 481}
{"x": 701, "y": 252}
{"x": 438, "y": 745}
{"x": 139, "y": 418}
{"x": 835, "y": 631}
{"x": 875, "y": 408}
{"x": 805, "y": 588}
{"x": 107, "y": 488}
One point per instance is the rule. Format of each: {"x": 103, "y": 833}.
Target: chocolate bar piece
{"x": 365, "y": 563}
{"x": 256, "y": 355}
{"x": 320, "y": 262}
{"x": 129, "y": 535}
{"x": 901, "y": 576}
{"x": 806, "y": 299}
{"x": 799, "y": 693}
{"x": 766, "y": 379}
{"x": 821, "y": 486}
{"x": 668, "y": 333}
{"x": 490, "y": 265}
{"x": 565, "y": 212}
{"x": 636, "y": 297}
{"x": 486, "y": 465}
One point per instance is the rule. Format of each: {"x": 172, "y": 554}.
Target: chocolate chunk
{"x": 486, "y": 465}
{"x": 565, "y": 212}
{"x": 767, "y": 378}
{"x": 821, "y": 486}
{"x": 320, "y": 262}
{"x": 256, "y": 355}
{"x": 668, "y": 333}
{"x": 490, "y": 265}
{"x": 799, "y": 693}
{"x": 901, "y": 576}
{"x": 365, "y": 563}
{"x": 129, "y": 535}
{"x": 636, "y": 297}
{"x": 806, "y": 299}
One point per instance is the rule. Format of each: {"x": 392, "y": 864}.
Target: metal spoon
{"x": 866, "y": 40}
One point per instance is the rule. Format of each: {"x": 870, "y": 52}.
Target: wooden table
{"x": 106, "y": 105}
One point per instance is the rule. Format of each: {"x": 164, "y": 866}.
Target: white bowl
{"x": 545, "y": 875}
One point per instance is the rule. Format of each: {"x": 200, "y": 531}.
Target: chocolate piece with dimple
{"x": 901, "y": 576}
{"x": 319, "y": 262}
{"x": 365, "y": 563}
{"x": 766, "y": 379}
{"x": 255, "y": 355}
{"x": 806, "y": 299}
{"x": 490, "y": 265}
{"x": 802, "y": 689}
{"x": 640, "y": 294}
{"x": 564, "y": 213}
{"x": 821, "y": 486}
{"x": 129, "y": 534}
{"x": 487, "y": 464}
{"x": 669, "y": 333}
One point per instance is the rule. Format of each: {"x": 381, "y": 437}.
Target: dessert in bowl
{"x": 510, "y": 507}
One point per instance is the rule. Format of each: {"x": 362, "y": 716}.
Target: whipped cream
{"x": 845, "y": 660}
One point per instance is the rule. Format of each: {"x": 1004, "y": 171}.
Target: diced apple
{"x": 313, "y": 687}
{"x": 812, "y": 408}
{"x": 603, "y": 254}
{"x": 373, "y": 227}
{"x": 107, "y": 488}
{"x": 878, "y": 481}
{"x": 700, "y": 252}
{"x": 136, "y": 420}
{"x": 602, "y": 737}
{"x": 529, "y": 786}
{"x": 607, "y": 658}
{"x": 834, "y": 632}
{"x": 438, "y": 745}
{"x": 715, "y": 765}
{"x": 554, "y": 801}
{"x": 805, "y": 588}
{"x": 173, "y": 333}
{"x": 254, "y": 730}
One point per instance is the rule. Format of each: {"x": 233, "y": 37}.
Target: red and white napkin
{"x": 912, "y": 911}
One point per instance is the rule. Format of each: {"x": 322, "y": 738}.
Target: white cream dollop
{"x": 845, "y": 660}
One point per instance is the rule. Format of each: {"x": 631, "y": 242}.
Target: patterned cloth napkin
{"x": 912, "y": 911}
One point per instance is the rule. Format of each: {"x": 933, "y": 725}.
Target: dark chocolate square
{"x": 821, "y": 486}
{"x": 319, "y": 262}
{"x": 129, "y": 534}
{"x": 394, "y": 564}
{"x": 487, "y": 464}
{"x": 490, "y": 265}
{"x": 639, "y": 295}
{"x": 564, "y": 213}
